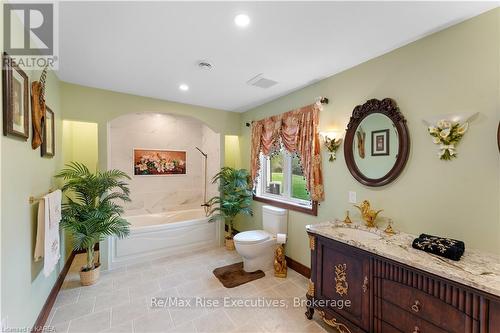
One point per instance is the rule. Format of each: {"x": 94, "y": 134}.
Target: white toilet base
{"x": 263, "y": 262}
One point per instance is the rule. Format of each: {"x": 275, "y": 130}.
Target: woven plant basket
{"x": 88, "y": 278}
{"x": 229, "y": 244}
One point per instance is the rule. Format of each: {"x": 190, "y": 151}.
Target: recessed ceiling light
{"x": 242, "y": 20}
{"x": 184, "y": 87}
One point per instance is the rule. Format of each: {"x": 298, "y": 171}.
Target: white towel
{"x": 47, "y": 238}
{"x": 55, "y": 199}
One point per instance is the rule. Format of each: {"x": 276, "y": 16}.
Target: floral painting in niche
{"x": 159, "y": 162}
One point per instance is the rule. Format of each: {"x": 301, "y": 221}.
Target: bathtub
{"x": 164, "y": 234}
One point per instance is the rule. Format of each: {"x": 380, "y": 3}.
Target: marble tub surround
{"x": 120, "y": 302}
{"x": 156, "y": 194}
{"x": 475, "y": 269}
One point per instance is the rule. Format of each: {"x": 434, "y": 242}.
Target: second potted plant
{"x": 235, "y": 198}
{"x": 91, "y": 213}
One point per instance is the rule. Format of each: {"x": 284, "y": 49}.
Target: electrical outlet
{"x": 352, "y": 197}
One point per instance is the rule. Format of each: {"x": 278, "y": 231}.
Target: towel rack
{"x": 33, "y": 199}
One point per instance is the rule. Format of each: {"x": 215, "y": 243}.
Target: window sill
{"x": 306, "y": 210}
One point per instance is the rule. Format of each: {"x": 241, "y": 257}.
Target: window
{"x": 281, "y": 179}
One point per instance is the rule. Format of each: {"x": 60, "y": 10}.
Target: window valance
{"x": 297, "y": 131}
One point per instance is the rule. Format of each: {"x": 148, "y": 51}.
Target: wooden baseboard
{"x": 49, "y": 303}
{"x": 298, "y": 267}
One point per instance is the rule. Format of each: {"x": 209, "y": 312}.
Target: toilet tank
{"x": 274, "y": 220}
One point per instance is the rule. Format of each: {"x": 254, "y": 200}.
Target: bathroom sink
{"x": 357, "y": 233}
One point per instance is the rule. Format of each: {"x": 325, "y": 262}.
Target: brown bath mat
{"x": 233, "y": 275}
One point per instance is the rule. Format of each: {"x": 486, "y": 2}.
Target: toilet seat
{"x": 252, "y": 237}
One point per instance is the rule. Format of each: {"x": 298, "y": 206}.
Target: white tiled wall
{"x": 154, "y": 194}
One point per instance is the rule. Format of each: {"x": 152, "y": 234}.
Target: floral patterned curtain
{"x": 297, "y": 131}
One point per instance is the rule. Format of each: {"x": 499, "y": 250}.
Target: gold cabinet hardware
{"x": 416, "y": 329}
{"x": 341, "y": 285}
{"x": 365, "y": 284}
{"x": 333, "y": 323}
{"x": 416, "y": 306}
{"x": 310, "y": 288}
{"x": 312, "y": 242}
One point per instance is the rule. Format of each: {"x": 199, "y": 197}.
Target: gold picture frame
{"x": 15, "y": 99}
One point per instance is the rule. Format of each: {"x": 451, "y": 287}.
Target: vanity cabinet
{"x": 387, "y": 296}
{"x": 335, "y": 283}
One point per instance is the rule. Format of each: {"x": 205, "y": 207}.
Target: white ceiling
{"x": 149, "y": 48}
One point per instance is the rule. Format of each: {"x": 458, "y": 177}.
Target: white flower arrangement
{"x": 447, "y": 135}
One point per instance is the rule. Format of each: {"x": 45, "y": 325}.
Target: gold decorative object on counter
{"x": 389, "y": 230}
{"x": 280, "y": 268}
{"x": 341, "y": 285}
{"x": 369, "y": 215}
{"x": 347, "y": 219}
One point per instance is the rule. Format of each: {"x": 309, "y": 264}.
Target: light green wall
{"x": 232, "y": 151}
{"x": 455, "y": 70}
{"x": 23, "y": 174}
{"x": 80, "y": 143}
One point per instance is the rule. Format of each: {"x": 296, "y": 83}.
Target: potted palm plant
{"x": 235, "y": 198}
{"x": 91, "y": 212}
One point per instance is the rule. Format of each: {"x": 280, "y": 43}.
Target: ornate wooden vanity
{"x": 390, "y": 294}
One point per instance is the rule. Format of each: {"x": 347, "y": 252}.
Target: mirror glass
{"x": 375, "y": 146}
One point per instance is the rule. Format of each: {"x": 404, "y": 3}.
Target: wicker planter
{"x": 230, "y": 244}
{"x": 88, "y": 278}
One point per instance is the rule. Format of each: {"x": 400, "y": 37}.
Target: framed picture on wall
{"x": 380, "y": 143}
{"x": 49, "y": 141}
{"x": 15, "y": 99}
{"x": 151, "y": 162}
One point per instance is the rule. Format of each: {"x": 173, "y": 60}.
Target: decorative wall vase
{"x": 447, "y": 131}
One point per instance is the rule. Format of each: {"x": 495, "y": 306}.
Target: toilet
{"x": 256, "y": 247}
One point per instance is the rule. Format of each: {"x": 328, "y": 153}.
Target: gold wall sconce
{"x": 332, "y": 142}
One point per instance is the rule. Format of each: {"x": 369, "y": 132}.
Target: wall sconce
{"x": 332, "y": 140}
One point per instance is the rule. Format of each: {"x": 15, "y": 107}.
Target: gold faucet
{"x": 369, "y": 215}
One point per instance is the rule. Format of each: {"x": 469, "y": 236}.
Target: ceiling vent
{"x": 261, "y": 82}
{"x": 205, "y": 65}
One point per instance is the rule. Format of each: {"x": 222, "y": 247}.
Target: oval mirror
{"x": 377, "y": 142}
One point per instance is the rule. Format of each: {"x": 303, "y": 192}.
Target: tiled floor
{"x": 121, "y": 301}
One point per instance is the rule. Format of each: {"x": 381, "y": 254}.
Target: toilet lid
{"x": 251, "y": 237}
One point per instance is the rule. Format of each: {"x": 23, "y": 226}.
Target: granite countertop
{"x": 476, "y": 269}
